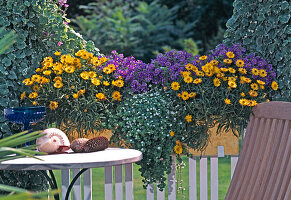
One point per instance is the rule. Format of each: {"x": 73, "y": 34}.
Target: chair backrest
{"x": 263, "y": 171}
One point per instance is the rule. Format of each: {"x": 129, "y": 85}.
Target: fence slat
{"x": 108, "y": 183}
{"x": 88, "y": 184}
{"x": 118, "y": 183}
{"x": 203, "y": 178}
{"x": 160, "y": 194}
{"x": 233, "y": 161}
{"x": 128, "y": 181}
{"x": 192, "y": 179}
{"x": 214, "y": 177}
{"x": 151, "y": 192}
{"x": 65, "y": 182}
{"x": 172, "y": 181}
{"x": 77, "y": 185}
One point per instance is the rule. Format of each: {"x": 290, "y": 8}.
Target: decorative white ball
{"x": 53, "y": 139}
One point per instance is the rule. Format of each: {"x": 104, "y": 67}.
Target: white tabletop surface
{"x": 108, "y": 157}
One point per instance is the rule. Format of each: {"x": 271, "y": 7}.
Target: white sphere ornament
{"x": 53, "y": 141}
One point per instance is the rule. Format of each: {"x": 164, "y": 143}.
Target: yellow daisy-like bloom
{"x": 79, "y": 53}
{"x": 244, "y": 102}
{"x": 261, "y": 82}
{"x": 172, "y": 133}
{"x": 197, "y": 81}
{"x": 263, "y": 73}
{"x": 81, "y": 92}
{"x": 214, "y": 62}
{"x": 111, "y": 67}
{"x": 70, "y": 69}
{"x": 58, "y": 78}
{"x": 106, "y": 83}
{"x": 192, "y": 94}
{"x": 231, "y": 70}
{"x": 95, "y": 81}
{"x": 92, "y": 74}
{"x": 85, "y": 75}
{"x": 116, "y": 96}
{"x": 252, "y": 103}
{"x": 53, "y": 105}
{"x": 48, "y": 59}
{"x": 216, "y": 70}
{"x": 185, "y": 73}
{"x": 28, "y": 82}
{"x": 253, "y": 93}
{"x": 202, "y": 57}
{"x": 107, "y": 70}
{"x": 103, "y": 59}
{"x": 189, "y": 66}
{"x": 216, "y": 82}
{"x": 37, "y": 70}
{"x": 224, "y": 69}
{"x": 188, "y": 118}
{"x": 194, "y": 69}
{"x": 242, "y": 70}
{"x": 178, "y": 149}
{"x": 75, "y": 96}
{"x": 227, "y": 101}
{"x": 119, "y": 83}
{"x": 185, "y": 95}
{"x": 34, "y": 103}
{"x": 188, "y": 79}
{"x": 242, "y": 94}
{"x": 96, "y": 61}
{"x": 232, "y": 78}
{"x": 63, "y": 58}
{"x": 58, "y": 53}
{"x": 22, "y": 96}
{"x": 58, "y": 84}
{"x": 240, "y": 63}
{"x": 248, "y": 80}
{"x": 254, "y": 86}
{"x": 33, "y": 95}
{"x": 227, "y": 61}
{"x": 199, "y": 73}
{"x": 100, "y": 96}
{"x": 274, "y": 85}
{"x": 232, "y": 84}
{"x": 47, "y": 72}
{"x": 224, "y": 78}
{"x": 175, "y": 86}
{"x": 209, "y": 74}
{"x": 35, "y": 88}
{"x": 230, "y": 54}
{"x": 220, "y": 75}
{"x": 255, "y": 71}
{"x": 262, "y": 87}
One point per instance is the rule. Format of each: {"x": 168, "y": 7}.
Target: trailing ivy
{"x": 264, "y": 27}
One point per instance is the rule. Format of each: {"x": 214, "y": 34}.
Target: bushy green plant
{"x": 265, "y": 28}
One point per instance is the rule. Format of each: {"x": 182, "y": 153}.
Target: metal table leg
{"x": 52, "y": 181}
{"x": 73, "y": 182}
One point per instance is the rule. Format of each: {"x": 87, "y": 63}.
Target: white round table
{"x": 105, "y": 158}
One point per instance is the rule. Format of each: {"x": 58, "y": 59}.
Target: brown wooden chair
{"x": 263, "y": 171}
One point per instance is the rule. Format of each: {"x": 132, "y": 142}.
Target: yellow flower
{"x": 178, "y": 149}
{"x": 185, "y": 95}
{"x": 103, "y": 59}
{"x": 188, "y": 118}
{"x": 35, "y": 88}
{"x": 85, "y": 75}
{"x": 118, "y": 83}
{"x": 255, "y": 71}
{"x": 240, "y": 63}
{"x": 199, "y": 73}
{"x": 100, "y": 96}
{"x": 197, "y": 81}
{"x": 70, "y": 69}
{"x": 242, "y": 94}
{"x": 116, "y": 96}
{"x": 192, "y": 94}
{"x": 263, "y": 73}
{"x": 253, "y": 93}
{"x": 48, "y": 59}
{"x": 244, "y": 102}
{"x": 254, "y": 86}
{"x": 33, "y": 95}
{"x": 95, "y": 81}
{"x": 220, "y": 75}
{"x": 189, "y": 66}
{"x": 37, "y": 70}
{"x": 58, "y": 53}
{"x": 188, "y": 79}
{"x": 172, "y": 133}
{"x": 214, "y": 62}
{"x": 175, "y": 86}
{"x": 242, "y": 70}
{"x": 107, "y": 70}
{"x": 209, "y": 74}
{"x": 216, "y": 82}
{"x": 230, "y": 54}
{"x": 231, "y": 70}
{"x": 261, "y": 82}
{"x": 185, "y": 73}
{"x": 75, "y": 96}
{"x": 227, "y": 101}
{"x": 224, "y": 69}
{"x": 58, "y": 84}
{"x": 106, "y": 83}
{"x": 202, "y": 57}
{"x": 274, "y": 85}
{"x": 216, "y": 70}
{"x": 92, "y": 74}
{"x": 232, "y": 84}
{"x": 34, "y": 103}
{"x": 22, "y": 96}
{"x": 80, "y": 92}
{"x": 58, "y": 78}
{"x": 227, "y": 61}
{"x": 96, "y": 61}
{"x": 53, "y": 105}
{"x": 111, "y": 67}
{"x": 252, "y": 103}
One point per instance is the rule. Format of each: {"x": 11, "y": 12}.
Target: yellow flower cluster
{"x": 178, "y": 148}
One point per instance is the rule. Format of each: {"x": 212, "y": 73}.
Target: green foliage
{"x": 265, "y": 28}
{"x": 133, "y": 30}
{"x": 144, "y": 121}
{"x": 7, "y": 39}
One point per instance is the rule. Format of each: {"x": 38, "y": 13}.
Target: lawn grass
{"x": 140, "y": 193}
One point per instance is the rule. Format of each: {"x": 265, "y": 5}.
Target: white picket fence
{"x": 108, "y": 176}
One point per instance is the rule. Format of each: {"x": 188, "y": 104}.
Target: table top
{"x": 108, "y": 157}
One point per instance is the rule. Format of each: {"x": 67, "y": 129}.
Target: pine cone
{"x": 78, "y": 144}
{"x": 96, "y": 144}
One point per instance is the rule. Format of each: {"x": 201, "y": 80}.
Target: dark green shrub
{"x": 265, "y": 28}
